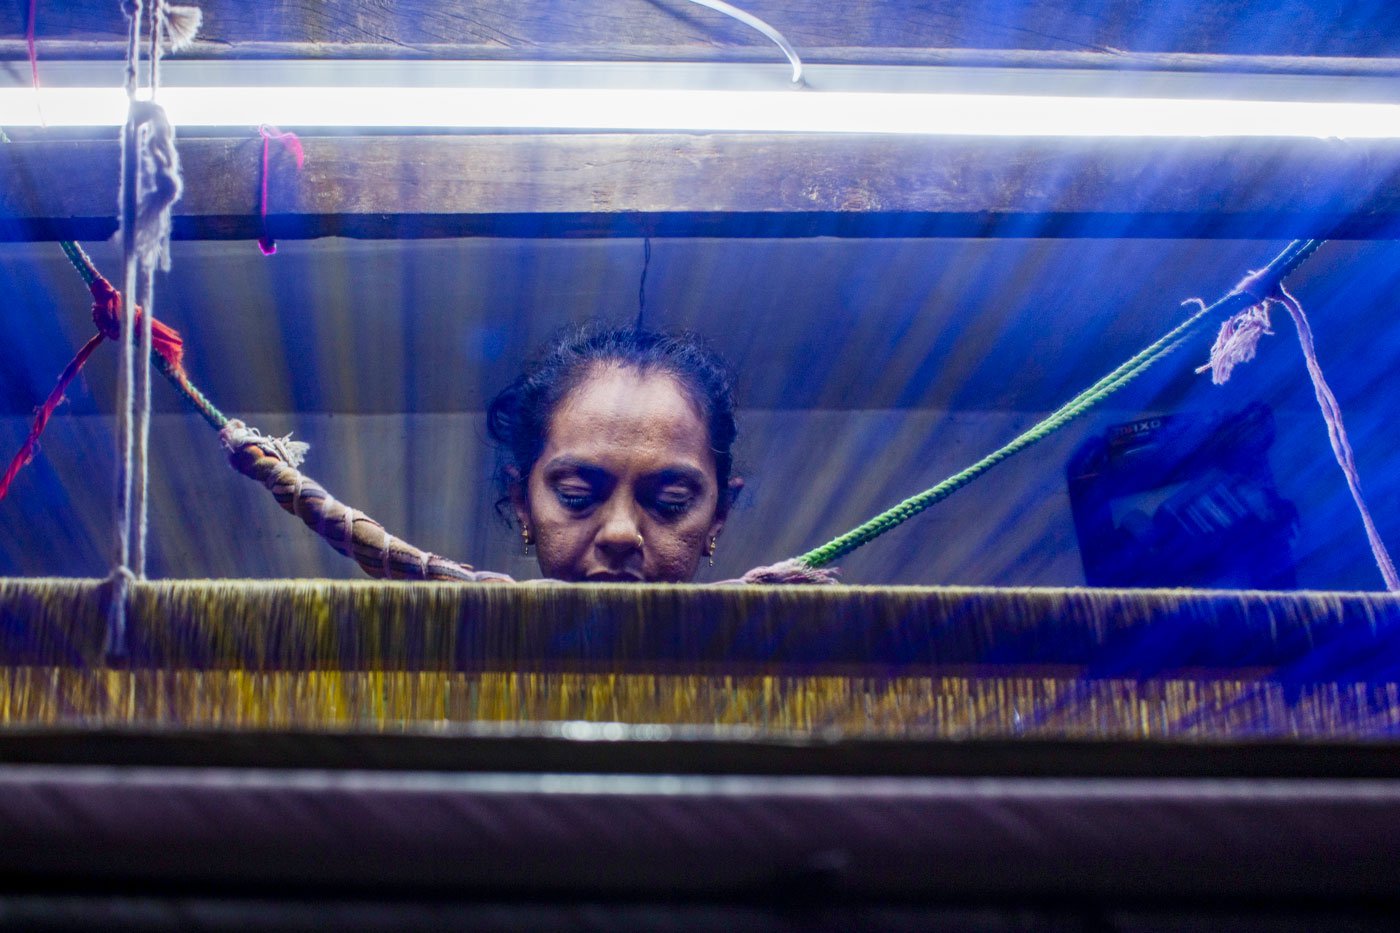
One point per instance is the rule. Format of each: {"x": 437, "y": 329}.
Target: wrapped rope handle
{"x": 350, "y": 531}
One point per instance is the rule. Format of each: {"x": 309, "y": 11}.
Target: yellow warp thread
{"x": 943, "y": 707}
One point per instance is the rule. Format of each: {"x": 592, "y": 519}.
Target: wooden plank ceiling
{"x": 855, "y": 30}
{"x": 753, "y": 185}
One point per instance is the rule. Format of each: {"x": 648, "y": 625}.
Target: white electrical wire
{"x": 753, "y": 22}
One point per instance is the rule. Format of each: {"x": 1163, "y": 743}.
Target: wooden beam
{"x": 856, "y": 30}
{"x": 729, "y": 185}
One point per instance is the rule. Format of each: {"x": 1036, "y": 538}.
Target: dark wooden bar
{"x": 729, "y": 185}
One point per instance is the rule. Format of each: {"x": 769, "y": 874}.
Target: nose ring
{"x": 641, "y": 542}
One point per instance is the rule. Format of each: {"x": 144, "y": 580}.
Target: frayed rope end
{"x": 182, "y": 26}
{"x": 1237, "y": 342}
{"x": 236, "y": 435}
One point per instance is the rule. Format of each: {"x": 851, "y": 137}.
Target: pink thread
{"x": 34, "y": 56}
{"x": 293, "y": 145}
{"x": 29, "y": 41}
{"x": 1337, "y": 434}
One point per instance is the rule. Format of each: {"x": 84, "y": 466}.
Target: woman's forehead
{"x": 622, "y": 411}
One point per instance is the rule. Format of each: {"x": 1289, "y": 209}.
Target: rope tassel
{"x": 181, "y": 26}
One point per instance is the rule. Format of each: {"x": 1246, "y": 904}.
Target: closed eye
{"x": 673, "y": 502}
{"x": 574, "y": 498}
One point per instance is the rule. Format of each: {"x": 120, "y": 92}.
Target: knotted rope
{"x": 167, "y": 352}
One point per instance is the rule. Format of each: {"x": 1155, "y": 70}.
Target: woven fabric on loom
{"x": 901, "y": 661}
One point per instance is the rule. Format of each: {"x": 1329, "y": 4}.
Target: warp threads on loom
{"x": 316, "y": 654}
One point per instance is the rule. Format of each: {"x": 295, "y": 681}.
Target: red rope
{"x": 293, "y": 145}
{"x": 45, "y": 412}
{"x": 106, "y": 315}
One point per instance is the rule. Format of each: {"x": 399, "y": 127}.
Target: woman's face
{"x": 625, "y": 488}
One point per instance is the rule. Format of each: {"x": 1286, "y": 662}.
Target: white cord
{"x": 753, "y": 22}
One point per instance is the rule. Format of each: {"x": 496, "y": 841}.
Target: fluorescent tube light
{"x": 683, "y": 110}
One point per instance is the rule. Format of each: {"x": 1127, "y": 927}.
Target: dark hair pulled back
{"x": 518, "y": 418}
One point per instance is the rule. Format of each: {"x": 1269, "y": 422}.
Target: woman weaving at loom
{"x": 616, "y": 458}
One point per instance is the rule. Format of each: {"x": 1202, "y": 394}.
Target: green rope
{"x": 80, "y": 261}
{"x": 1288, "y": 260}
{"x": 195, "y": 398}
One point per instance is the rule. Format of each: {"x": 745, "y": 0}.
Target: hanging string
{"x": 33, "y": 48}
{"x": 160, "y": 187}
{"x": 122, "y": 574}
{"x": 146, "y": 298}
{"x": 642, "y": 286}
{"x": 293, "y": 145}
{"x": 150, "y": 185}
{"x": 1238, "y": 342}
{"x": 167, "y": 355}
{"x": 1337, "y": 435}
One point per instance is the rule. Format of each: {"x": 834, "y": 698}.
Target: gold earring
{"x": 714, "y": 542}
{"x": 526, "y": 539}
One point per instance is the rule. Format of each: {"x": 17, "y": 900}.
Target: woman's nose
{"x": 620, "y": 531}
